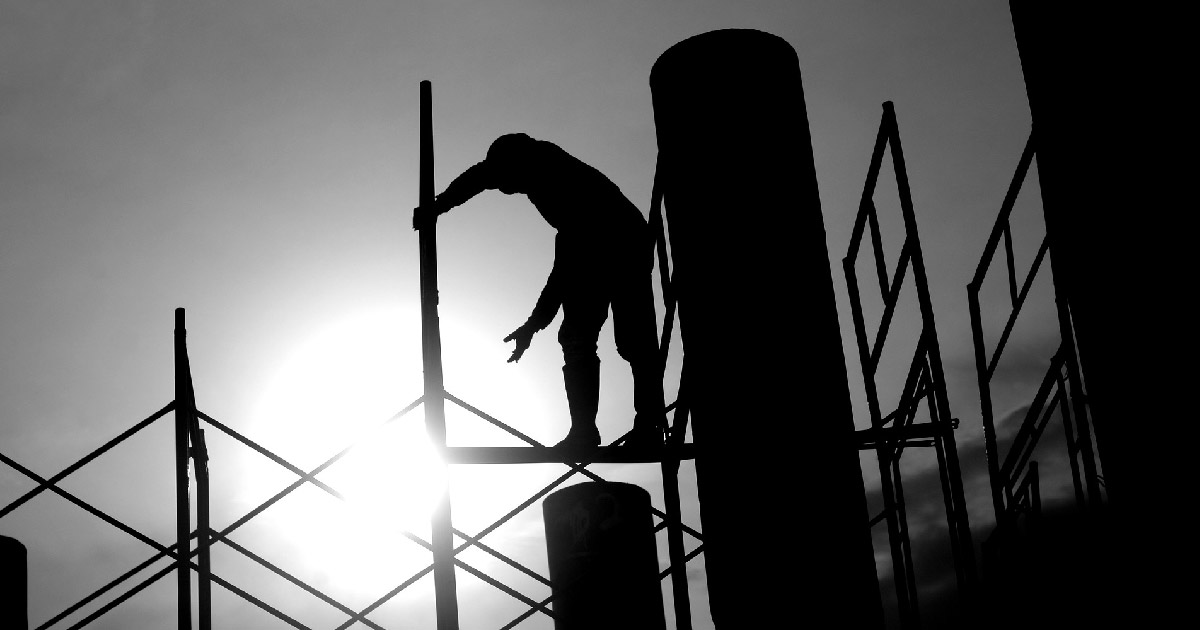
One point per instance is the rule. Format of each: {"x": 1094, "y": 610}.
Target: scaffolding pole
{"x": 183, "y": 516}
{"x": 435, "y": 402}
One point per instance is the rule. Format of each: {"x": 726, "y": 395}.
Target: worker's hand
{"x": 424, "y": 216}
{"x": 522, "y": 336}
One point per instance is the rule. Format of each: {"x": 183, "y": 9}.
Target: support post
{"x": 183, "y": 516}
{"x": 744, "y": 211}
{"x": 960, "y": 531}
{"x": 185, "y": 407}
{"x": 14, "y": 584}
{"x": 435, "y": 403}
{"x": 203, "y": 531}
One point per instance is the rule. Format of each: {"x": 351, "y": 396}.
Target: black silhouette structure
{"x": 764, "y": 370}
{"x": 894, "y": 430}
{"x": 1105, "y": 133}
{"x": 602, "y": 559}
{"x": 14, "y": 584}
{"x": 746, "y": 229}
{"x": 603, "y": 256}
{"x": 1039, "y": 558}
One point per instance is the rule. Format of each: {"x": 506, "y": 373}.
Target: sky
{"x": 256, "y": 163}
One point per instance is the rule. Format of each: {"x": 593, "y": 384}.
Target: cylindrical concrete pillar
{"x": 603, "y": 562}
{"x": 14, "y": 584}
{"x": 766, "y": 372}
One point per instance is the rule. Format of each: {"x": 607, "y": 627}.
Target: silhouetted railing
{"x": 1013, "y": 476}
{"x": 891, "y": 433}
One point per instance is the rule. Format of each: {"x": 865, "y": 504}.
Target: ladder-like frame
{"x": 890, "y": 433}
{"x": 1013, "y": 475}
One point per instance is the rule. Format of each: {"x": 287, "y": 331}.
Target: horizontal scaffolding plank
{"x": 868, "y": 438}
{"x": 549, "y": 455}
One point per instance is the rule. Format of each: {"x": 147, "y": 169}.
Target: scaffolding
{"x": 892, "y": 432}
{"x": 191, "y": 459}
{"x": 1013, "y": 475}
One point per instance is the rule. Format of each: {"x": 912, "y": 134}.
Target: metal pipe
{"x": 183, "y": 517}
{"x": 435, "y": 402}
{"x": 962, "y": 537}
{"x": 204, "y": 578}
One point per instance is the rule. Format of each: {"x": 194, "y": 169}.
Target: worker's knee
{"x": 578, "y": 352}
{"x": 578, "y": 345}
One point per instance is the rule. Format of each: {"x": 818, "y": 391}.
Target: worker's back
{"x": 571, "y": 196}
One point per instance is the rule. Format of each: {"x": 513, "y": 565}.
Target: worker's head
{"x": 508, "y": 159}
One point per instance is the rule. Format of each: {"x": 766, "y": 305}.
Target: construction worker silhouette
{"x": 603, "y": 256}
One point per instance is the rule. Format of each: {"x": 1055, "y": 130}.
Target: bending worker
{"x": 603, "y": 255}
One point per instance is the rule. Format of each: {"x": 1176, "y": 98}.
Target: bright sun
{"x": 340, "y": 387}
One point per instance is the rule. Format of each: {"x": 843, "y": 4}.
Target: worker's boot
{"x": 650, "y": 418}
{"x": 582, "y": 379}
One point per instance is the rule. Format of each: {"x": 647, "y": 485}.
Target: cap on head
{"x": 506, "y": 157}
{"x": 508, "y": 145}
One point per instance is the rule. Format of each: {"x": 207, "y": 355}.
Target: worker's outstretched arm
{"x": 544, "y": 312}
{"x": 471, "y": 182}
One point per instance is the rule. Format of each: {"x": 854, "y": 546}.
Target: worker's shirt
{"x": 573, "y": 197}
{"x": 601, "y": 234}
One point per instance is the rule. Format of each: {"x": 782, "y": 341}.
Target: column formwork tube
{"x": 14, "y": 584}
{"x": 770, "y": 401}
{"x": 602, "y": 557}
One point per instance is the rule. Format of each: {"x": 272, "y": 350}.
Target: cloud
{"x": 932, "y": 558}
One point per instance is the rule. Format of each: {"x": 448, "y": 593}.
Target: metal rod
{"x": 575, "y": 466}
{"x": 889, "y": 301}
{"x": 1078, "y": 398}
{"x": 42, "y": 487}
{"x": 270, "y": 566}
{"x": 1010, "y": 199}
{"x": 906, "y": 591}
{"x": 1018, "y": 304}
{"x": 120, "y": 599}
{"x": 933, "y": 350}
{"x": 109, "y": 586}
{"x": 435, "y": 403}
{"x": 183, "y": 518}
{"x": 386, "y": 596}
{"x": 985, "y": 405}
{"x": 204, "y": 578}
{"x": 185, "y": 406}
{"x": 1072, "y": 446}
{"x": 675, "y": 550}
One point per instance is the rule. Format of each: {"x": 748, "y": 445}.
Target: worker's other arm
{"x": 544, "y": 311}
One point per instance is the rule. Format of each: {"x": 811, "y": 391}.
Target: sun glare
{"x": 339, "y": 388}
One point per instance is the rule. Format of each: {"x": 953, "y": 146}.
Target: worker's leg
{"x": 636, "y": 333}
{"x": 584, "y": 313}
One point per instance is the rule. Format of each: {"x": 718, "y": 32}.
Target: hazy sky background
{"x": 256, "y": 163}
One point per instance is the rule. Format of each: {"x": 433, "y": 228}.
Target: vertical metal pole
{"x": 681, "y": 599}
{"x": 961, "y": 532}
{"x": 984, "y": 377}
{"x": 435, "y": 403}
{"x": 185, "y": 406}
{"x": 1072, "y": 447}
{"x": 1067, "y": 332}
{"x": 675, "y": 550}
{"x": 183, "y": 517}
{"x": 204, "y": 580}
{"x": 910, "y": 614}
